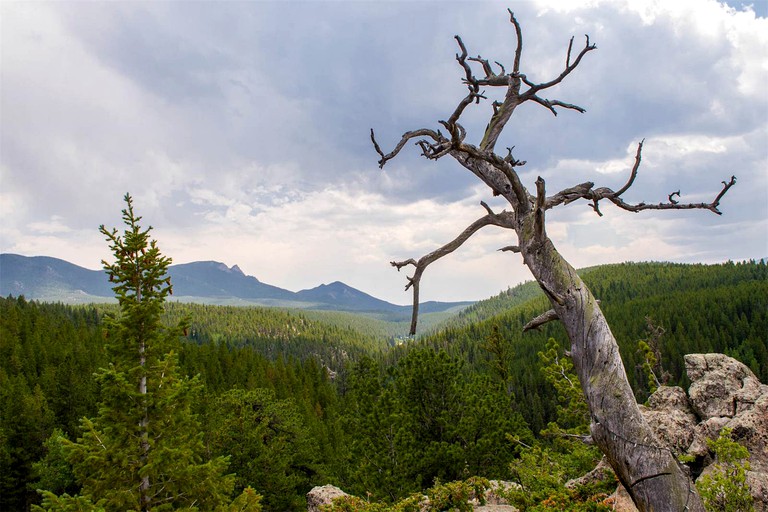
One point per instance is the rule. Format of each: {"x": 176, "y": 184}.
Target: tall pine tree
{"x": 144, "y": 449}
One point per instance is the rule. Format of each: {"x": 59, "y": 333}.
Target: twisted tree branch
{"x": 503, "y": 219}
{"x": 568, "y": 67}
{"x": 605, "y": 193}
{"x": 633, "y": 174}
{"x": 424, "y": 132}
{"x": 585, "y": 191}
{"x": 546, "y": 317}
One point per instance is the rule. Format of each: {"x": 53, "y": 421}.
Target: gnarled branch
{"x": 503, "y": 219}
{"x": 424, "y": 132}
{"x": 551, "y": 104}
{"x": 541, "y": 199}
{"x": 586, "y": 191}
{"x": 474, "y": 89}
{"x": 434, "y": 145}
{"x": 633, "y": 174}
{"x": 606, "y": 193}
{"x": 546, "y": 317}
{"x": 569, "y": 67}
{"x": 502, "y": 111}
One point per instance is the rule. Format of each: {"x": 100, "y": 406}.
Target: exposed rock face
{"x": 721, "y": 386}
{"x": 724, "y": 393}
{"x": 708, "y": 429}
{"x": 324, "y": 495}
{"x": 492, "y": 499}
{"x": 758, "y": 485}
{"x": 671, "y": 416}
{"x": 750, "y": 428}
{"x": 601, "y": 472}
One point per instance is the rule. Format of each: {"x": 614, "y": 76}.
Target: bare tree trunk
{"x": 144, "y": 483}
{"x": 649, "y": 471}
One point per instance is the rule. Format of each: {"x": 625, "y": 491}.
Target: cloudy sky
{"x": 242, "y": 131}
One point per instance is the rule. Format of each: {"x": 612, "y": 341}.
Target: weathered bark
{"x": 647, "y": 470}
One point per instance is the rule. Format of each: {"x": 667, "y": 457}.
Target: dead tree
{"x": 650, "y": 472}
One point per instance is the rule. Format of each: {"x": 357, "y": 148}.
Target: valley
{"x": 354, "y": 393}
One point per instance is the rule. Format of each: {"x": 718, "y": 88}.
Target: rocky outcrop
{"x": 721, "y": 386}
{"x": 724, "y": 393}
{"x": 324, "y": 495}
{"x": 492, "y": 500}
{"x": 670, "y": 415}
{"x": 602, "y": 472}
{"x": 493, "y": 496}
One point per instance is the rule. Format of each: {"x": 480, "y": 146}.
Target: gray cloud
{"x": 235, "y": 122}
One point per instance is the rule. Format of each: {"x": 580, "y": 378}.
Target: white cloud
{"x": 349, "y": 235}
{"x": 659, "y": 152}
{"x": 52, "y": 226}
{"x": 248, "y": 143}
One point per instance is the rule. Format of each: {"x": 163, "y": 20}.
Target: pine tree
{"x": 144, "y": 449}
{"x": 572, "y": 411}
{"x": 269, "y": 444}
{"x": 725, "y": 487}
{"x": 501, "y": 354}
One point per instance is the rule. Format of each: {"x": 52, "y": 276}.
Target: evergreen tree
{"x": 572, "y": 411}
{"x": 269, "y": 444}
{"x": 53, "y": 471}
{"x": 501, "y": 355}
{"x": 144, "y": 449}
{"x": 725, "y": 488}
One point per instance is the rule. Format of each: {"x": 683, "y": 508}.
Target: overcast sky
{"x": 242, "y": 131}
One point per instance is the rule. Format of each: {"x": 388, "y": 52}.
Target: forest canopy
{"x": 314, "y": 380}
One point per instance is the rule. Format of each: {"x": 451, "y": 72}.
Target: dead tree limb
{"x": 586, "y": 191}
{"x": 546, "y": 317}
{"x": 503, "y": 219}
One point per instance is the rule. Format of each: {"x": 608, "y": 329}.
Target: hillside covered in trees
{"x": 296, "y": 399}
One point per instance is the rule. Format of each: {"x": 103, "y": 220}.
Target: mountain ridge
{"x": 52, "y": 279}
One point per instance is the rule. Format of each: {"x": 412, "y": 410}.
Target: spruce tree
{"x": 144, "y": 449}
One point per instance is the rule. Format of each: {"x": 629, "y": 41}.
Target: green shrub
{"x": 725, "y": 488}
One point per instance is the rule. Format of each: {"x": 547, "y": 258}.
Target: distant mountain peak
{"x": 334, "y": 285}
{"x": 234, "y": 269}
{"x": 217, "y": 265}
{"x": 46, "y": 278}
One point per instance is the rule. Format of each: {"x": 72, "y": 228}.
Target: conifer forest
{"x": 155, "y": 405}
